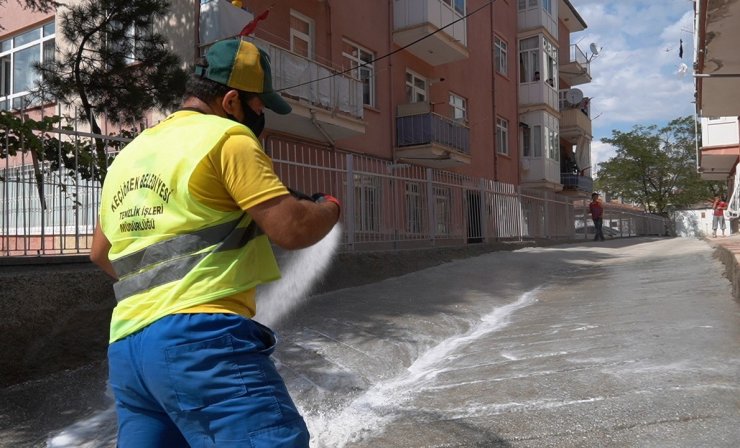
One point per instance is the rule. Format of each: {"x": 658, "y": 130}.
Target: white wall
{"x": 691, "y": 223}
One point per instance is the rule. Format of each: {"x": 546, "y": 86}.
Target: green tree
{"x": 655, "y": 167}
{"x": 116, "y": 64}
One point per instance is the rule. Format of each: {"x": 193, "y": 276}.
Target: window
{"x": 551, "y": 141}
{"x": 526, "y": 141}
{"x": 547, "y": 6}
{"x": 458, "y": 5}
{"x": 501, "y": 56}
{"x": 537, "y": 140}
{"x": 416, "y": 88}
{"x": 367, "y": 203}
{"x": 529, "y": 67}
{"x": 413, "y": 208}
{"x": 527, "y": 4}
{"x": 502, "y": 136}
{"x": 301, "y": 34}
{"x": 358, "y": 56}
{"x": 17, "y": 56}
{"x": 442, "y": 213}
{"x": 129, "y": 44}
{"x": 551, "y": 64}
{"x": 530, "y": 59}
{"x": 459, "y": 106}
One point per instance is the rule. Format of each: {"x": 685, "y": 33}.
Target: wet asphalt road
{"x": 631, "y": 343}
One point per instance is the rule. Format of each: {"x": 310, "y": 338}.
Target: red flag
{"x": 251, "y": 26}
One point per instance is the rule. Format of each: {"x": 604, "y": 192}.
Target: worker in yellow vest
{"x": 188, "y": 210}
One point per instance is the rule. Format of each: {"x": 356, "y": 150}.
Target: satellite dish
{"x": 574, "y": 96}
{"x": 594, "y": 49}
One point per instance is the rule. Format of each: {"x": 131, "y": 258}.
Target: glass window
{"x": 553, "y": 148}
{"x": 361, "y": 60}
{"x": 367, "y": 203}
{"x": 529, "y": 67}
{"x": 537, "y": 140}
{"x": 413, "y": 208}
{"x": 526, "y": 141}
{"x": 23, "y": 73}
{"x": 49, "y": 29}
{"x": 551, "y": 63}
{"x": 27, "y": 37}
{"x": 547, "y": 6}
{"x": 416, "y": 88}
{"x": 442, "y": 211}
{"x": 17, "y": 58}
{"x": 459, "y": 106}
{"x": 460, "y": 7}
{"x": 501, "y": 56}
{"x": 502, "y": 136}
{"x": 301, "y": 34}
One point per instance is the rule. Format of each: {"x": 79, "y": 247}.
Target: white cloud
{"x": 635, "y": 76}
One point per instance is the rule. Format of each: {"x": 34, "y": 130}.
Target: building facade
{"x": 476, "y": 91}
{"x": 717, "y": 73}
{"x": 475, "y": 87}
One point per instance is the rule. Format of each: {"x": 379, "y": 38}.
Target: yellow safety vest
{"x": 171, "y": 252}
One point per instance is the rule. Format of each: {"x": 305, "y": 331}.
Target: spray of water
{"x": 370, "y": 412}
{"x": 300, "y": 272}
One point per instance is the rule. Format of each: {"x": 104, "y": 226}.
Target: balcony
{"x": 429, "y": 139}
{"x": 325, "y": 107}
{"x": 220, "y": 20}
{"x": 537, "y": 94}
{"x": 575, "y": 120}
{"x": 575, "y": 184}
{"x": 415, "y": 19}
{"x": 577, "y": 68}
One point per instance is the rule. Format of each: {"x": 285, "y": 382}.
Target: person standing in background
{"x": 718, "y": 217}
{"x": 597, "y": 215}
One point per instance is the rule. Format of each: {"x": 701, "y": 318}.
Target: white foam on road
{"x": 375, "y": 408}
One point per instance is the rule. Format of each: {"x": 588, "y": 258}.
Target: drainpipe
{"x": 391, "y": 115}
{"x": 493, "y": 97}
{"x": 321, "y": 129}
{"x": 696, "y": 140}
{"x": 196, "y": 37}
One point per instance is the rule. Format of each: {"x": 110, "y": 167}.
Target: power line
{"x": 388, "y": 54}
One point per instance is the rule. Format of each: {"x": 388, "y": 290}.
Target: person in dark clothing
{"x": 597, "y": 215}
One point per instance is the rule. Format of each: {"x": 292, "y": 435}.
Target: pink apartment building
{"x": 469, "y": 87}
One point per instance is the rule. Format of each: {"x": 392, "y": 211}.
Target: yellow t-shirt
{"x": 235, "y": 175}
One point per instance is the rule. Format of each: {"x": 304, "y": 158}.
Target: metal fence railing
{"x": 386, "y": 205}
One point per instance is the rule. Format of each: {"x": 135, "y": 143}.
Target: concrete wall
{"x": 54, "y": 312}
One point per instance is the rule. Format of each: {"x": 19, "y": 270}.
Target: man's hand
{"x": 294, "y": 224}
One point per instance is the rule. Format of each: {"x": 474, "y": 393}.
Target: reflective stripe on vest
{"x": 175, "y": 257}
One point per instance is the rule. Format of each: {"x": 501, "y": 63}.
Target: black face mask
{"x": 251, "y": 120}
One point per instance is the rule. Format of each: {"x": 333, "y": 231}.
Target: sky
{"x": 636, "y": 77}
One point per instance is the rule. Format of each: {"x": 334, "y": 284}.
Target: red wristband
{"x": 330, "y": 198}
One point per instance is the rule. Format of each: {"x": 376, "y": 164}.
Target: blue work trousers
{"x": 202, "y": 381}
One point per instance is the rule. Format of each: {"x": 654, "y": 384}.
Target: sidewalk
{"x": 727, "y": 249}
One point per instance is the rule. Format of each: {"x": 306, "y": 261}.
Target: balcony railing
{"x": 577, "y": 182}
{"x": 577, "y": 68}
{"x": 304, "y": 79}
{"x": 431, "y": 128}
{"x": 578, "y": 56}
